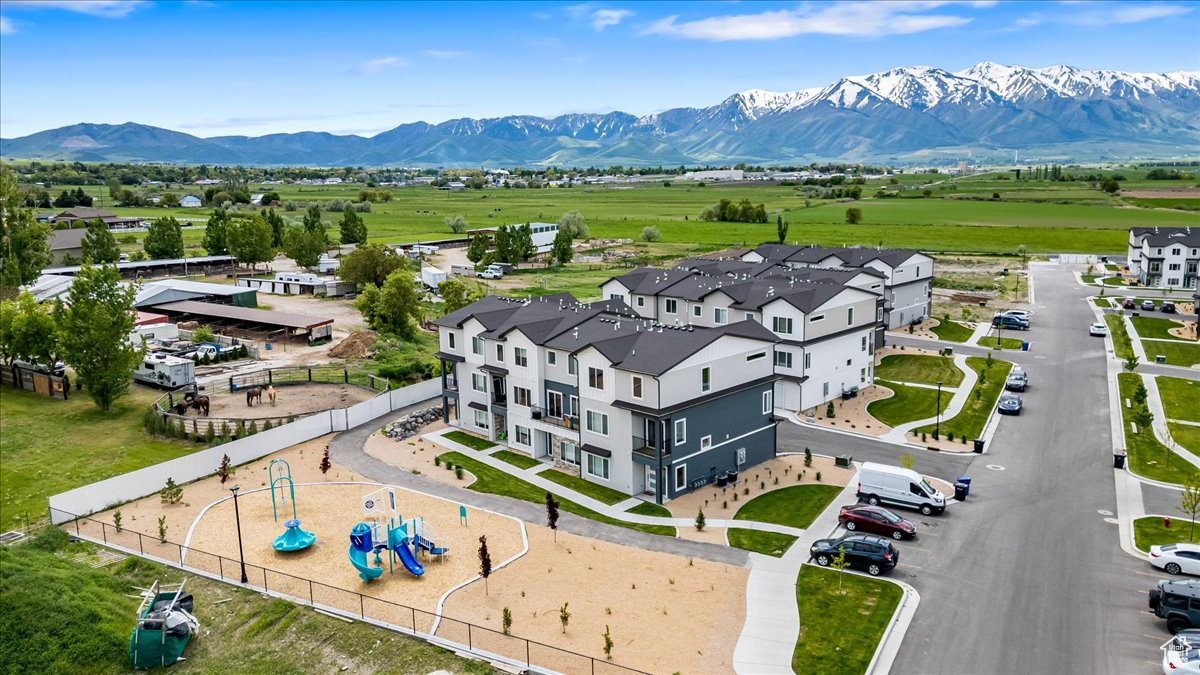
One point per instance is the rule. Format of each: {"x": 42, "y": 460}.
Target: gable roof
{"x": 65, "y": 240}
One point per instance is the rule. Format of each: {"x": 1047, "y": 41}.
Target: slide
{"x": 365, "y": 569}
{"x": 409, "y": 560}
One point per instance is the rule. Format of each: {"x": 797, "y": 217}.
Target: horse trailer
{"x": 165, "y": 371}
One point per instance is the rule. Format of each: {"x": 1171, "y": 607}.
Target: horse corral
{"x": 290, "y": 399}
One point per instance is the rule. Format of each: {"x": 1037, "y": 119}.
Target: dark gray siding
{"x": 725, "y": 418}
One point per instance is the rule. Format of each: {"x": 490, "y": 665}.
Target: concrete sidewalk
{"x": 1159, "y": 425}
{"x": 962, "y": 394}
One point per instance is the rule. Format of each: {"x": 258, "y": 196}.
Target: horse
{"x": 200, "y": 404}
{"x": 180, "y": 408}
{"x": 252, "y": 394}
{"x": 271, "y": 393}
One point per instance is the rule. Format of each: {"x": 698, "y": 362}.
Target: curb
{"x": 893, "y": 637}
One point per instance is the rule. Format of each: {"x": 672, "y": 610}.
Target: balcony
{"x": 565, "y": 421}
{"x": 646, "y": 448}
{"x": 500, "y": 400}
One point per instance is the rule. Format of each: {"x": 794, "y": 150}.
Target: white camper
{"x": 895, "y": 485}
{"x": 165, "y": 371}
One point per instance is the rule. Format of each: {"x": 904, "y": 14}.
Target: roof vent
{"x": 575, "y": 334}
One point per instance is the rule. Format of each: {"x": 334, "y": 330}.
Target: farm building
{"x": 205, "y": 264}
{"x": 235, "y": 320}
{"x": 298, "y": 283}
{"x": 162, "y": 291}
{"x": 190, "y": 202}
{"x": 81, "y": 216}
{"x": 65, "y": 243}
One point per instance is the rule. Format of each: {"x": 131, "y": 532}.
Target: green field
{"x": 1178, "y": 353}
{"x": 50, "y": 446}
{"x": 1154, "y": 327}
{"x": 919, "y": 369}
{"x": 840, "y": 629}
{"x": 1180, "y": 397}
{"x": 1185, "y": 435}
{"x": 907, "y": 404}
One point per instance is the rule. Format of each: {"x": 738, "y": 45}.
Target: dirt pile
{"x": 355, "y": 346}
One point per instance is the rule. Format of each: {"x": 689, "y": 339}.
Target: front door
{"x": 651, "y": 480}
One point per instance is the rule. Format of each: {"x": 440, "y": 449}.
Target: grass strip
{"x": 1180, "y": 397}
{"x": 842, "y": 620}
{"x": 919, "y": 368}
{"x": 649, "y": 509}
{"x": 1146, "y": 456}
{"x": 907, "y": 404}
{"x": 795, "y": 506}
{"x": 969, "y": 421}
{"x": 1149, "y": 531}
{"x": 951, "y": 331}
{"x": 1122, "y": 345}
{"x": 1000, "y": 343}
{"x": 515, "y": 459}
{"x": 470, "y": 440}
{"x": 767, "y": 543}
{"x": 600, "y": 493}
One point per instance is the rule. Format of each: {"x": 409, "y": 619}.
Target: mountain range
{"x": 906, "y": 114}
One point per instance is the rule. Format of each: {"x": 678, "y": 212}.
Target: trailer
{"x": 432, "y": 276}
{"x": 463, "y": 270}
{"x": 165, "y": 371}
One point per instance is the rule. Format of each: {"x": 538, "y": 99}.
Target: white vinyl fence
{"x": 142, "y": 482}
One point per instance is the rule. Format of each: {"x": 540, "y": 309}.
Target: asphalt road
{"x": 1026, "y": 576}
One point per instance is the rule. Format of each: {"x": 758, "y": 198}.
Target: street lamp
{"x": 238, "y": 516}
{"x": 937, "y": 426}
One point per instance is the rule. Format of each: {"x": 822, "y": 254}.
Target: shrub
{"x": 162, "y": 529}
{"x": 171, "y": 492}
{"x": 117, "y": 519}
{"x": 506, "y": 620}
{"x": 699, "y": 521}
{"x": 458, "y": 472}
{"x": 818, "y": 476}
{"x": 829, "y": 410}
{"x": 807, "y": 457}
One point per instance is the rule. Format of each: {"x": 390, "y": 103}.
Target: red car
{"x": 867, "y": 518}
{"x": 1129, "y": 304}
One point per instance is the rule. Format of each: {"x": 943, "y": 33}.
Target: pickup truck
{"x": 490, "y": 273}
{"x": 209, "y": 349}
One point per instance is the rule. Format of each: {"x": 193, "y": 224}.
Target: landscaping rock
{"x": 409, "y": 426}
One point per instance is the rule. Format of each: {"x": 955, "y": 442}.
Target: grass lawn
{"x": 839, "y": 631}
{"x": 470, "y": 440}
{"x": 1177, "y": 353}
{"x": 496, "y": 482}
{"x": 1154, "y": 327}
{"x": 51, "y": 446}
{"x": 906, "y": 404}
{"x": 1149, "y": 531}
{"x": 1000, "y": 343}
{"x": 1181, "y": 398}
{"x": 920, "y": 369}
{"x": 600, "y": 493}
{"x": 795, "y": 506}
{"x": 969, "y": 422}
{"x": 1146, "y": 456}
{"x": 951, "y": 331}
{"x": 515, "y": 459}
{"x": 59, "y": 615}
{"x": 767, "y": 543}
{"x": 649, "y": 509}
{"x": 1105, "y": 303}
{"x": 1122, "y": 345}
{"x": 1186, "y": 435}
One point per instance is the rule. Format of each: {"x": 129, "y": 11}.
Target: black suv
{"x": 1176, "y": 601}
{"x": 871, "y": 552}
{"x": 1167, "y": 307}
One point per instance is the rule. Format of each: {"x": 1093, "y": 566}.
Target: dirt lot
{"x": 1171, "y": 193}
{"x": 290, "y": 399}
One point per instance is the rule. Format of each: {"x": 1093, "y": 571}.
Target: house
{"x": 64, "y": 243}
{"x": 627, "y": 402}
{"x": 1166, "y": 257}
{"x": 190, "y": 202}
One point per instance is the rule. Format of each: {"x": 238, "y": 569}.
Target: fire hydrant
{"x": 1167, "y": 521}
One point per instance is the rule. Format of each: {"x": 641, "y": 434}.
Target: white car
{"x": 1020, "y": 313}
{"x": 1098, "y": 330}
{"x": 1176, "y": 558}
{"x": 1181, "y": 654}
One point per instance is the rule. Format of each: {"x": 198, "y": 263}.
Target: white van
{"x": 895, "y": 485}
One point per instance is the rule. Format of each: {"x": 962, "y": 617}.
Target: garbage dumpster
{"x": 960, "y": 491}
{"x": 979, "y": 445}
{"x": 965, "y": 480}
{"x": 1118, "y": 460}
{"x": 1024, "y": 345}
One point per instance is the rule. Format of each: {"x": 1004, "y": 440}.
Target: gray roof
{"x": 241, "y": 314}
{"x": 1173, "y": 235}
{"x": 851, "y": 257}
{"x": 65, "y": 240}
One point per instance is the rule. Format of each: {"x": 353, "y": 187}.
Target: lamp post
{"x": 937, "y": 426}
{"x": 238, "y": 517}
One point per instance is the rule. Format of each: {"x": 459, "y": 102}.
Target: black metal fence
{"x": 305, "y": 375}
{"x": 443, "y": 630}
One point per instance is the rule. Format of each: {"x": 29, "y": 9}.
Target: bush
{"x": 651, "y": 233}
{"x": 458, "y": 472}
{"x": 807, "y": 457}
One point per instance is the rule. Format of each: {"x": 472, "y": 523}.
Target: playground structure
{"x": 293, "y": 538}
{"x": 164, "y": 626}
{"x": 387, "y": 529}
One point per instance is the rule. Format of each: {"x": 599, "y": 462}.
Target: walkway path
{"x": 1159, "y": 425}
{"x": 962, "y": 394}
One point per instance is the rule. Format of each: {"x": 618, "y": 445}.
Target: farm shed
{"x": 266, "y": 323}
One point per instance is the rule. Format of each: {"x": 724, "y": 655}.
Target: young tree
{"x": 325, "y": 463}
{"x": 456, "y": 224}
{"x": 1189, "y": 501}
{"x": 840, "y": 564}
{"x": 313, "y": 224}
{"x": 369, "y": 264}
{"x": 353, "y": 229}
{"x": 99, "y": 245}
{"x": 608, "y": 643}
{"x": 24, "y": 242}
{"x": 561, "y": 251}
{"x": 477, "y": 248}
{"x": 1140, "y": 394}
{"x": 781, "y": 227}
{"x": 505, "y": 619}
{"x": 215, "y": 242}
{"x": 164, "y": 239}
{"x": 171, "y": 492}
{"x": 700, "y": 521}
{"x": 552, "y": 514}
{"x": 573, "y": 224}
{"x": 304, "y": 246}
{"x": 564, "y": 617}
{"x": 92, "y": 330}
{"x": 224, "y": 471}
{"x": 854, "y": 215}
{"x": 1131, "y": 363}
{"x": 250, "y": 240}
{"x": 485, "y": 562}
{"x": 1143, "y": 418}
{"x": 277, "y": 225}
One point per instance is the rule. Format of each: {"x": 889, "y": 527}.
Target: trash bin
{"x": 966, "y": 482}
{"x": 1160, "y": 359}
{"x": 732, "y": 476}
{"x": 1118, "y": 460}
{"x": 1024, "y": 345}
{"x": 979, "y": 445}
{"x": 960, "y": 491}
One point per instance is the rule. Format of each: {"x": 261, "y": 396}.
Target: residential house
{"x": 190, "y": 202}
{"x": 620, "y": 400}
{"x": 1166, "y": 257}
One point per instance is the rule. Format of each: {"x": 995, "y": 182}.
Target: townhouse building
{"x": 1166, "y": 257}
{"x": 619, "y": 399}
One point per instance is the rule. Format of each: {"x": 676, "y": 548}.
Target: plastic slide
{"x": 365, "y": 569}
{"x": 407, "y": 558}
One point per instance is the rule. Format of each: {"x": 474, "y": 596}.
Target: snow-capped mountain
{"x": 1071, "y": 112}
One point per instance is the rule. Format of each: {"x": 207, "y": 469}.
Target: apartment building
{"x": 619, "y": 399}
{"x": 1166, "y": 256}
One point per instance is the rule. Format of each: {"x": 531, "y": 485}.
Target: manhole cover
{"x": 995, "y": 467}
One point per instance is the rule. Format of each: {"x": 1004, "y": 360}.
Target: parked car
{"x": 1018, "y": 380}
{"x": 1148, "y": 305}
{"x": 866, "y": 551}
{"x": 1181, "y": 654}
{"x": 1176, "y": 558}
{"x": 1010, "y": 404}
{"x": 1010, "y": 322}
{"x": 1129, "y": 303}
{"x": 489, "y": 274}
{"x": 1167, "y": 307}
{"x": 1019, "y": 313}
{"x": 896, "y": 485}
{"x": 876, "y": 519}
{"x": 1177, "y": 601}
{"x": 1098, "y": 330}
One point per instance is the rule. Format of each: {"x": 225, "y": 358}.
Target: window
{"x": 705, "y": 378}
{"x": 705, "y": 442}
{"x": 521, "y": 356}
{"x": 782, "y": 325}
{"x": 640, "y": 300}
{"x": 615, "y": 296}
{"x": 681, "y": 476}
{"x": 1173, "y": 267}
{"x": 500, "y": 353}
{"x": 569, "y": 452}
{"x": 1175, "y": 251}
{"x": 807, "y": 360}
{"x": 749, "y": 316}
{"x": 850, "y": 317}
{"x": 477, "y": 345}
{"x": 680, "y": 431}
{"x": 825, "y": 390}
{"x": 597, "y": 423}
{"x": 756, "y": 357}
{"x": 862, "y": 374}
{"x": 720, "y": 316}
{"x": 523, "y": 437}
{"x": 697, "y": 311}
{"x": 552, "y": 358}
{"x": 671, "y": 306}
{"x": 637, "y": 387}
{"x": 481, "y": 419}
{"x": 816, "y": 317}
{"x": 783, "y": 359}
{"x": 768, "y": 401}
{"x": 847, "y": 361}
{"x": 572, "y": 365}
{"x": 479, "y": 382}
{"x": 595, "y": 378}
{"x": 522, "y": 396}
{"x": 597, "y": 466}
{"x": 450, "y": 341}
{"x": 864, "y": 343}
{"x": 879, "y": 314}
{"x": 574, "y": 409}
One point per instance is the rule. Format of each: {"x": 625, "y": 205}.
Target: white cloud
{"x": 1139, "y": 13}
{"x": 109, "y": 9}
{"x": 861, "y": 19}
{"x": 6, "y": 26}
{"x": 376, "y": 66}
{"x": 1103, "y": 14}
{"x": 446, "y": 53}
{"x": 603, "y": 18}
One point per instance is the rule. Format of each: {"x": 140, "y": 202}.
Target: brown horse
{"x": 180, "y": 408}
{"x": 200, "y": 405}
{"x": 271, "y": 393}
{"x": 253, "y": 394}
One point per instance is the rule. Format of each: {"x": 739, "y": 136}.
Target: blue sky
{"x": 223, "y": 68}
